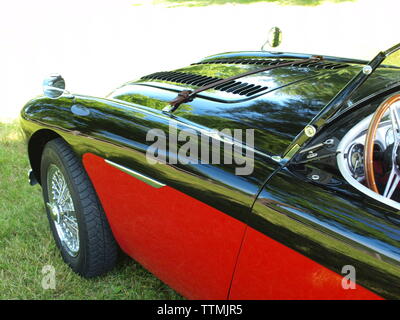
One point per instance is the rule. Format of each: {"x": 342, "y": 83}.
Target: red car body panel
{"x": 194, "y": 248}
{"x": 189, "y": 245}
{"x": 269, "y": 270}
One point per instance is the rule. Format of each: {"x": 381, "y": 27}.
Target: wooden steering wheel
{"x": 394, "y": 177}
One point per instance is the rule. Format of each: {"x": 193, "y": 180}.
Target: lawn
{"x": 26, "y": 245}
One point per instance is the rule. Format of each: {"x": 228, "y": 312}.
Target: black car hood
{"x": 334, "y": 73}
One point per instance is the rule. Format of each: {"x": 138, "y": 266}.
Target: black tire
{"x": 97, "y": 252}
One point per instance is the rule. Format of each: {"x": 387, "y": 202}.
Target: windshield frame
{"x": 339, "y": 102}
{"x": 341, "y": 99}
{"x": 392, "y": 50}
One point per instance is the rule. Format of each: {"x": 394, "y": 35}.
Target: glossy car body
{"x": 288, "y": 230}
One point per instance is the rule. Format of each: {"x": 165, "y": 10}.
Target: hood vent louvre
{"x": 318, "y": 65}
{"x": 235, "y": 87}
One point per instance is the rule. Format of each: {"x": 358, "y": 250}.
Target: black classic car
{"x": 246, "y": 175}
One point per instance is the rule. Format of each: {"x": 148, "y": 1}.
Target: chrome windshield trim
{"x": 145, "y": 179}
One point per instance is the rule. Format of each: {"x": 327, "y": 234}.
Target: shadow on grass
{"x": 201, "y": 3}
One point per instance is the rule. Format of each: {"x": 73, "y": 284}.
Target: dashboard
{"x": 354, "y": 150}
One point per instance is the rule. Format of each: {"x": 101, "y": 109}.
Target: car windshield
{"x": 380, "y": 74}
{"x": 392, "y": 57}
{"x": 381, "y": 67}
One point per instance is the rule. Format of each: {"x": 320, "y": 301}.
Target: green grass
{"x": 197, "y": 3}
{"x": 26, "y": 244}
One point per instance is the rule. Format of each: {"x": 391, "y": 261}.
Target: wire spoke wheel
{"x": 77, "y": 220}
{"x": 62, "y": 210}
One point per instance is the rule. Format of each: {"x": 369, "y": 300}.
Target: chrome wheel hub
{"x": 62, "y": 211}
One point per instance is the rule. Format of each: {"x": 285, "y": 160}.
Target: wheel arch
{"x": 35, "y": 148}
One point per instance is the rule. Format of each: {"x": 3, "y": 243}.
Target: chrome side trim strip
{"x": 145, "y": 179}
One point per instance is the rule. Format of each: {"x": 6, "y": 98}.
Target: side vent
{"x": 235, "y": 87}
{"x": 265, "y": 62}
